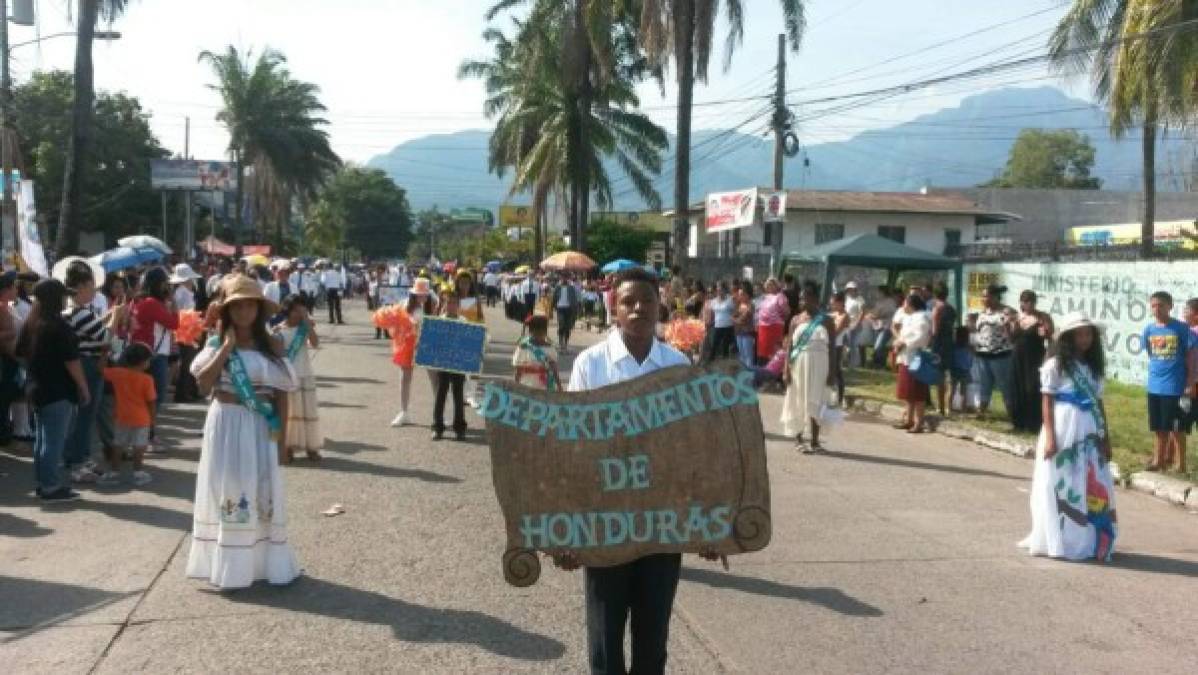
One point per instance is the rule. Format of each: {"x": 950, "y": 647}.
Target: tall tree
{"x": 370, "y": 210}
{"x": 75, "y": 174}
{"x": 683, "y": 29}
{"x": 119, "y": 200}
{"x": 1143, "y": 61}
{"x": 1050, "y": 159}
{"x": 275, "y": 125}
{"x": 564, "y": 90}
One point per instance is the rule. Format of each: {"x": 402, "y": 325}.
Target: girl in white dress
{"x": 809, "y": 370}
{"x": 1073, "y": 493}
{"x": 240, "y": 529}
{"x": 298, "y": 333}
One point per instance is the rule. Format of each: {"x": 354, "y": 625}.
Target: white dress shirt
{"x": 184, "y": 298}
{"x": 610, "y": 363}
{"x": 308, "y": 282}
{"x": 331, "y": 279}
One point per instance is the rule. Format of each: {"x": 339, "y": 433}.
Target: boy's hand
{"x": 566, "y": 561}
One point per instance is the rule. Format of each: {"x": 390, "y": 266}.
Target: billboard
{"x": 190, "y": 174}
{"x": 730, "y": 210}
{"x": 516, "y": 216}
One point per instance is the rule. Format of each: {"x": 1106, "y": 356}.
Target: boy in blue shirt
{"x": 1167, "y": 343}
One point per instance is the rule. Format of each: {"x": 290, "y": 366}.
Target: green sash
{"x": 551, "y": 382}
{"x": 297, "y": 341}
{"x": 244, "y": 388}
{"x": 801, "y": 343}
{"x": 1083, "y": 385}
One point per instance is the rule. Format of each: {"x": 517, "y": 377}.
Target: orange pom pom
{"x": 685, "y": 335}
{"x": 191, "y": 328}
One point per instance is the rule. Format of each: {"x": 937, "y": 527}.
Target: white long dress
{"x": 303, "y": 411}
{"x": 239, "y": 534}
{"x": 808, "y": 390}
{"x": 1073, "y": 494}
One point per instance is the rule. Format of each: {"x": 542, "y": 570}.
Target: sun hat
{"x": 1075, "y": 320}
{"x": 851, "y": 286}
{"x": 236, "y": 287}
{"x": 421, "y": 287}
{"x": 183, "y": 273}
{"x": 60, "y": 269}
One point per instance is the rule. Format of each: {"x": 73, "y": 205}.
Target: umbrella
{"x": 494, "y": 265}
{"x": 256, "y": 260}
{"x": 145, "y": 241}
{"x": 124, "y": 257}
{"x": 523, "y": 269}
{"x": 568, "y": 260}
{"x": 618, "y": 266}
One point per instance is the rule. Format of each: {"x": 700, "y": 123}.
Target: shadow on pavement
{"x": 348, "y": 380}
{"x": 30, "y": 605}
{"x": 1143, "y": 562}
{"x": 351, "y": 466}
{"x": 828, "y": 598}
{"x": 333, "y": 404}
{"x": 408, "y": 622}
{"x": 912, "y": 464}
{"x": 16, "y": 526}
{"x": 350, "y": 447}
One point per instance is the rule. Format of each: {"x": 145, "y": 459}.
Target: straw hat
{"x": 60, "y": 269}
{"x": 183, "y": 273}
{"x": 1075, "y": 320}
{"x": 421, "y": 287}
{"x": 240, "y": 287}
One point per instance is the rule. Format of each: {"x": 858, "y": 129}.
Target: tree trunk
{"x": 1148, "y": 226}
{"x": 74, "y": 171}
{"x": 239, "y": 197}
{"x": 540, "y": 196}
{"x": 684, "y": 38}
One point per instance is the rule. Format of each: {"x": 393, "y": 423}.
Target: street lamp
{"x": 98, "y": 35}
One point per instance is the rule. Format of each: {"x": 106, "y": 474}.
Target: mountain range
{"x": 953, "y": 147}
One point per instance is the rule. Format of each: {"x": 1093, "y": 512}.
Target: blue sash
{"x": 801, "y": 343}
{"x": 297, "y": 341}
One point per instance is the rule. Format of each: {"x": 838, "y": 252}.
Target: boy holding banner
{"x": 644, "y": 587}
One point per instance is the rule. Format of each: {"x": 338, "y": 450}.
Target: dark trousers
{"x": 492, "y": 296}
{"x": 187, "y": 390}
{"x": 721, "y": 343}
{"x": 530, "y": 305}
{"x": 457, "y": 382}
{"x": 10, "y": 392}
{"x": 309, "y": 300}
{"x": 333, "y": 295}
{"x": 645, "y": 588}
{"x": 565, "y": 324}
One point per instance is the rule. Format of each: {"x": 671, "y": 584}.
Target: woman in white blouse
{"x": 915, "y": 334}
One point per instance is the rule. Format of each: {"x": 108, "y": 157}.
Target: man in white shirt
{"x": 491, "y": 287}
{"x": 331, "y": 279}
{"x": 644, "y": 587}
{"x": 530, "y": 291}
{"x": 279, "y": 289}
{"x": 309, "y": 287}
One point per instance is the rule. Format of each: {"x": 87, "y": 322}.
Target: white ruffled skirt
{"x": 239, "y": 534}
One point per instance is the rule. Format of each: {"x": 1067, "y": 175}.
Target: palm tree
{"x": 564, "y": 94}
{"x": 275, "y": 126}
{"x": 683, "y": 29}
{"x": 1141, "y": 66}
{"x": 90, "y": 11}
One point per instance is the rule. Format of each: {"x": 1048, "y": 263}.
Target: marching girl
{"x": 535, "y": 358}
{"x": 240, "y": 530}
{"x": 404, "y": 331}
{"x": 1073, "y": 493}
{"x": 470, "y": 308}
{"x": 298, "y": 333}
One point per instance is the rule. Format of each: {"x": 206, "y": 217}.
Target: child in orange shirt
{"x": 133, "y": 414}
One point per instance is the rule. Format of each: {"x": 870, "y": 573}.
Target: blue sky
{"x": 387, "y": 67}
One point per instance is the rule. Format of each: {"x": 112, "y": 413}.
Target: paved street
{"x": 890, "y": 554}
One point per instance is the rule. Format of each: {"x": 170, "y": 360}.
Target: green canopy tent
{"x": 870, "y": 250}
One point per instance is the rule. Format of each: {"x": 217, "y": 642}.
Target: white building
{"x": 937, "y": 223}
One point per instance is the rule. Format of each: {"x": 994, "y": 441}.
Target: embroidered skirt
{"x": 239, "y": 533}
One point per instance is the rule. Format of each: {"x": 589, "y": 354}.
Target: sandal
{"x": 917, "y": 430}
{"x": 902, "y": 425}
{"x": 313, "y": 455}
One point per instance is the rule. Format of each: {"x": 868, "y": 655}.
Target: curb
{"x": 1173, "y": 490}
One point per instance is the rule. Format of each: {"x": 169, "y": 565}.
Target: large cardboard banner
{"x": 451, "y": 345}
{"x": 670, "y": 462}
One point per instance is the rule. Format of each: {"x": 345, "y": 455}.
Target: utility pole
{"x": 8, "y": 212}
{"x": 780, "y": 121}
{"x": 188, "y": 235}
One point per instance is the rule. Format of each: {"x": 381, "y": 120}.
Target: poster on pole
{"x": 196, "y": 175}
{"x": 773, "y": 209}
{"x": 31, "y": 249}
{"x": 670, "y": 462}
{"x": 730, "y": 210}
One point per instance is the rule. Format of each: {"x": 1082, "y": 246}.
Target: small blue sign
{"x": 451, "y": 345}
